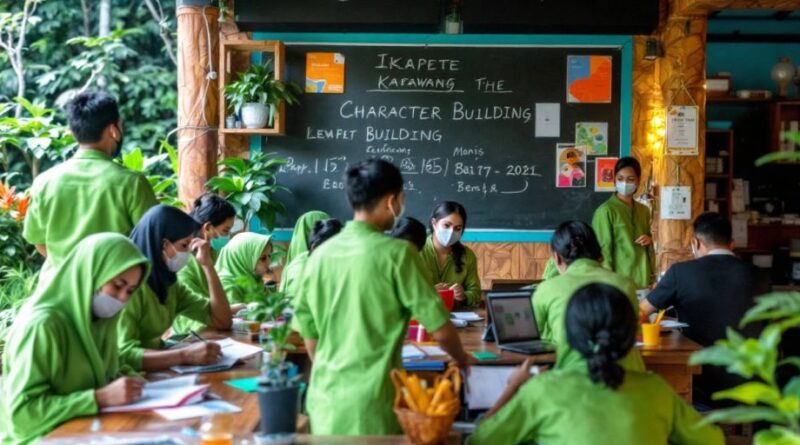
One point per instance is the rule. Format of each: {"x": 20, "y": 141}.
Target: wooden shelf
{"x": 734, "y": 99}
{"x": 251, "y": 131}
{"x": 227, "y": 49}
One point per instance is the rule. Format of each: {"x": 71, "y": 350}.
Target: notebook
{"x": 169, "y": 393}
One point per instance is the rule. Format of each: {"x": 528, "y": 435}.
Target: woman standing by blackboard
{"x": 623, "y": 227}
{"x": 451, "y": 264}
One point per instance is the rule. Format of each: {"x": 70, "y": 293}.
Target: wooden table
{"x": 670, "y": 360}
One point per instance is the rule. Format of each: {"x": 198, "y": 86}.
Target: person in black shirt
{"x": 710, "y": 294}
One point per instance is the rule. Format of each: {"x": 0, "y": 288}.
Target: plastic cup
{"x": 217, "y": 429}
{"x": 651, "y": 334}
{"x": 449, "y": 298}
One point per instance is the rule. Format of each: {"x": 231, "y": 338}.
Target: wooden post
{"x": 198, "y": 96}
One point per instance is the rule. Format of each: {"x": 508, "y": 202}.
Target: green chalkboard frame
{"x": 625, "y": 43}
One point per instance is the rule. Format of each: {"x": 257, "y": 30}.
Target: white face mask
{"x": 625, "y": 189}
{"x": 397, "y": 217}
{"x": 178, "y": 261}
{"x": 447, "y": 236}
{"x": 105, "y": 306}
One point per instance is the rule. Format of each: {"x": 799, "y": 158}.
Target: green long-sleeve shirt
{"x": 467, "y": 278}
{"x": 564, "y": 407}
{"x": 550, "y": 301}
{"x": 617, "y": 227}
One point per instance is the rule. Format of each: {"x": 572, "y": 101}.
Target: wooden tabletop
{"x": 674, "y": 351}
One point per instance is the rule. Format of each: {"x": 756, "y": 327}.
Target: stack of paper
{"x": 467, "y": 316}
{"x": 169, "y": 393}
{"x": 198, "y": 410}
{"x": 412, "y": 352}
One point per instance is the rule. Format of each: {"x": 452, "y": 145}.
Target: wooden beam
{"x": 198, "y": 38}
{"x": 703, "y": 7}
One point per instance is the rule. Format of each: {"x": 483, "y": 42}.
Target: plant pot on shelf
{"x": 279, "y": 408}
{"x": 255, "y": 115}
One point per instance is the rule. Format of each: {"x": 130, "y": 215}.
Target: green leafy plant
{"x": 36, "y": 137}
{"x": 258, "y": 85}
{"x": 250, "y": 186}
{"x": 16, "y": 285}
{"x": 160, "y": 170}
{"x": 14, "y": 250}
{"x": 271, "y": 308}
{"x": 757, "y": 359}
{"x": 782, "y": 156}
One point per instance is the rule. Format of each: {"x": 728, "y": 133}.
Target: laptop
{"x": 513, "y": 323}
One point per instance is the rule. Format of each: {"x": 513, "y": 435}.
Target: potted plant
{"x": 257, "y": 95}
{"x": 250, "y": 186}
{"x": 279, "y": 387}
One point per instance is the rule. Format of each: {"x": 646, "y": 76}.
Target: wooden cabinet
{"x": 719, "y": 171}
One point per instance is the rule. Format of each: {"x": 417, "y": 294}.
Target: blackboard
{"x": 458, "y": 143}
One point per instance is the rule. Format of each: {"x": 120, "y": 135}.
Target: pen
{"x": 197, "y": 336}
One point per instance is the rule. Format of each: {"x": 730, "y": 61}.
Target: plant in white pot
{"x": 279, "y": 387}
{"x": 257, "y": 94}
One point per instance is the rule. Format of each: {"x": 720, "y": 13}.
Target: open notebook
{"x": 232, "y": 352}
{"x": 169, "y": 393}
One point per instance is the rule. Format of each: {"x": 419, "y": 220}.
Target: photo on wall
{"x": 589, "y": 79}
{"x": 593, "y": 137}
{"x": 570, "y": 166}
{"x": 604, "y": 174}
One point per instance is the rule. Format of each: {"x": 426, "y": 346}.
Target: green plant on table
{"x": 250, "y": 185}
{"x": 757, "y": 359}
{"x": 271, "y": 308}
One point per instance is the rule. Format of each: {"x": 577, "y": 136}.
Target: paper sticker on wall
{"x": 589, "y": 79}
{"x": 604, "y": 174}
{"x": 325, "y": 73}
{"x": 682, "y": 130}
{"x": 676, "y": 202}
{"x": 570, "y": 166}
{"x": 593, "y": 137}
{"x": 548, "y": 120}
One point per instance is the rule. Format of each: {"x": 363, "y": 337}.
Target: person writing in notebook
{"x": 602, "y": 403}
{"x": 359, "y": 290}
{"x": 61, "y": 359}
{"x": 576, "y": 254}
{"x": 710, "y": 294}
{"x": 449, "y": 263}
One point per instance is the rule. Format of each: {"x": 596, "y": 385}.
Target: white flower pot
{"x": 255, "y": 115}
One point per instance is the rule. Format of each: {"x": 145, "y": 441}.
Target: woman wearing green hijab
{"x": 302, "y": 230}
{"x": 290, "y": 277}
{"x": 246, "y": 255}
{"x": 61, "y": 359}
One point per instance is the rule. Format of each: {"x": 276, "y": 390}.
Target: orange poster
{"x": 324, "y": 73}
{"x": 589, "y": 79}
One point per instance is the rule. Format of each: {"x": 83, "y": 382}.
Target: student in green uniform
{"x": 411, "y": 230}
{"x": 216, "y": 216}
{"x": 623, "y": 228}
{"x": 576, "y": 254}
{"x": 322, "y": 231}
{"x": 89, "y": 193}
{"x": 449, "y": 263}
{"x": 61, "y": 359}
{"x": 302, "y": 229}
{"x": 550, "y": 270}
{"x": 607, "y": 405}
{"x": 359, "y": 290}
{"x": 246, "y": 255}
{"x": 166, "y": 237}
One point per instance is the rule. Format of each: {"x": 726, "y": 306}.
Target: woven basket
{"x": 425, "y": 429}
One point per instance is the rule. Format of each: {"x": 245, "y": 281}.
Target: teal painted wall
{"x": 750, "y": 63}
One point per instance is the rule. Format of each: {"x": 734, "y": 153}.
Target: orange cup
{"x": 651, "y": 334}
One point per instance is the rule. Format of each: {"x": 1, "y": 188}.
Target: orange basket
{"x": 425, "y": 428}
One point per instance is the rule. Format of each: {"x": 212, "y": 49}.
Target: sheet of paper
{"x": 412, "y": 352}
{"x": 238, "y": 350}
{"x": 485, "y": 384}
{"x": 168, "y": 393}
{"x": 433, "y": 351}
{"x": 676, "y": 202}
{"x": 548, "y": 120}
{"x": 682, "y": 130}
{"x": 673, "y": 324}
{"x": 223, "y": 364}
{"x": 468, "y": 316}
{"x": 198, "y": 410}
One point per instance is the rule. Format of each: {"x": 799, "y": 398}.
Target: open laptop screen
{"x": 512, "y": 315}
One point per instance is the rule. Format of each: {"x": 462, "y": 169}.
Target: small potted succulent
{"x": 257, "y": 95}
{"x": 279, "y": 388}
